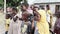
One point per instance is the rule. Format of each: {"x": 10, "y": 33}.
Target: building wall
{"x": 52, "y": 3}
{"x": 42, "y": 1}
{"x": 52, "y": 7}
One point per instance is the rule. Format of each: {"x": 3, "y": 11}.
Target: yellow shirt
{"x": 49, "y": 12}
{"x": 7, "y": 22}
{"x": 50, "y": 16}
{"x": 42, "y": 25}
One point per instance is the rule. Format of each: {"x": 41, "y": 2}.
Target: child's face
{"x": 38, "y": 19}
{"x": 24, "y": 17}
{"x": 23, "y": 7}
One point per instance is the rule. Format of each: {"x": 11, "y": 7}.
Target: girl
{"x": 42, "y": 25}
{"x": 27, "y": 26}
{"x": 7, "y": 23}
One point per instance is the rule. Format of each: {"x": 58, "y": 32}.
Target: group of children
{"x": 32, "y": 20}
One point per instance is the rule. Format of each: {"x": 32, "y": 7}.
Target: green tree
{"x": 1, "y": 3}
{"x": 25, "y": 1}
{"x": 14, "y": 3}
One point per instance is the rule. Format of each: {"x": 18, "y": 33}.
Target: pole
{"x": 4, "y": 6}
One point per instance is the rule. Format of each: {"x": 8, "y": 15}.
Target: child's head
{"x": 37, "y": 16}
{"x": 47, "y": 6}
{"x": 25, "y": 16}
{"x": 8, "y": 16}
{"x": 14, "y": 10}
{"x": 24, "y": 6}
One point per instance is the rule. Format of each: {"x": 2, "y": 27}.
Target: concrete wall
{"x": 52, "y": 3}
{"x": 42, "y": 1}
{"x": 52, "y": 7}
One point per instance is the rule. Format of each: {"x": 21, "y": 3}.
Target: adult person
{"x": 42, "y": 24}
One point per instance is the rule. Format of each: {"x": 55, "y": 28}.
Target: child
{"x": 7, "y": 23}
{"x": 57, "y": 24}
{"x": 42, "y": 25}
{"x": 27, "y": 25}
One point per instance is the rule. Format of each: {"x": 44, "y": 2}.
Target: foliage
{"x": 1, "y": 3}
{"x": 14, "y": 3}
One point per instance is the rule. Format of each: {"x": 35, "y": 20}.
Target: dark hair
{"x": 25, "y": 4}
{"x": 14, "y": 9}
{"x": 8, "y": 16}
{"x": 47, "y": 6}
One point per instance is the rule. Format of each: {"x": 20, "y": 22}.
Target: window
{"x": 57, "y": 8}
{"x": 42, "y": 6}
